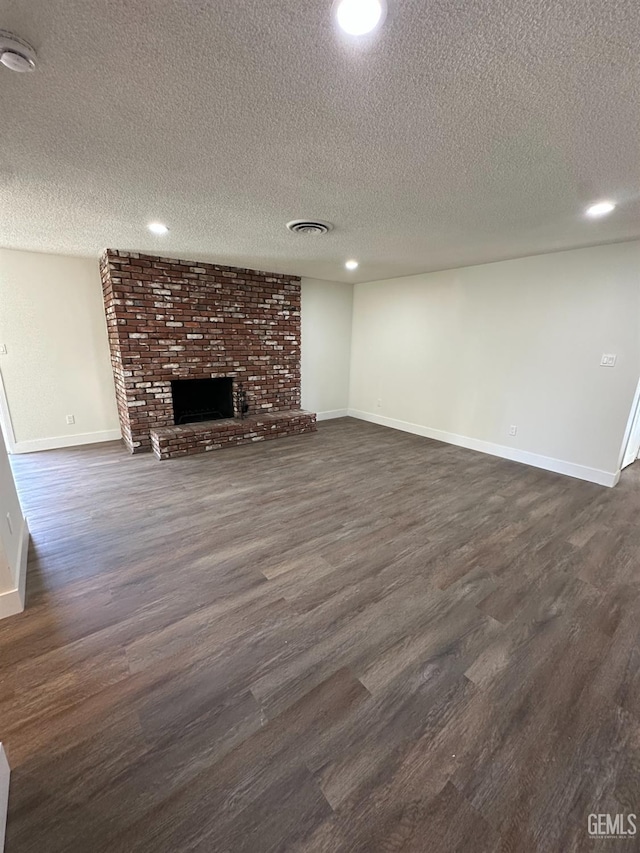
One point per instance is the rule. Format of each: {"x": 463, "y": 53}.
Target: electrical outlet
{"x": 513, "y": 429}
{"x": 9, "y": 523}
{"x": 608, "y": 360}
{"x": 379, "y": 403}
{"x": 3, "y": 349}
{"x": 71, "y": 419}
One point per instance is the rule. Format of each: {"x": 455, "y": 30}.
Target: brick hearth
{"x": 170, "y": 319}
{"x": 169, "y": 442}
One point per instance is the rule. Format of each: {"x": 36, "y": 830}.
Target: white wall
{"x": 57, "y": 361}
{"x": 463, "y": 354}
{"x": 326, "y": 346}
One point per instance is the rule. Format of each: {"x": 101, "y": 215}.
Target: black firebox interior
{"x": 202, "y": 399}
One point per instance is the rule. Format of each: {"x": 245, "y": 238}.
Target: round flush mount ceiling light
{"x": 351, "y": 265}
{"x": 157, "y": 228}
{"x": 600, "y": 209}
{"x": 359, "y": 17}
{"x": 309, "y": 227}
{"x": 15, "y": 53}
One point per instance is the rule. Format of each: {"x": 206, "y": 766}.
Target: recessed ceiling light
{"x": 351, "y": 265}
{"x": 358, "y": 17}
{"x": 600, "y": 209}
{"x": 157, "y": 228}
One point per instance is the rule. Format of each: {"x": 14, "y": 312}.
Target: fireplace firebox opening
{"x": 197, "y": 400}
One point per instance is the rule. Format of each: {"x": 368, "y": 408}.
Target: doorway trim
{"x": 634, "y": 415}
{"x": 5, "y": 419}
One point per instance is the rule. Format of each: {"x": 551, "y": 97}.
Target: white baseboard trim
{"x": 5, "y": 773}
{"x": 36, "y": 444}
{"x": 332, "y": 413}
{"x": 558, "y": 466}
{"x": 12, "y": 601}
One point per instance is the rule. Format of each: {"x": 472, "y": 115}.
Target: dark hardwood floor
{"x": 359, "y": 640}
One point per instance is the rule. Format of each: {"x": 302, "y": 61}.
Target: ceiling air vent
{"x": 313, "y": 227}
{"x": 15, "y": 53}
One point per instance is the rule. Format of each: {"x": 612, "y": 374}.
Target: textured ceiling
{"x": 467, "y": 131}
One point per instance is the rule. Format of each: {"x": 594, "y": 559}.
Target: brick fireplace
{"x": 171, "y": 321}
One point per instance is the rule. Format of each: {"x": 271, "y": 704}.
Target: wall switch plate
{"x": 513, "y": 429}
{"x": 9, "y": 523}
{"x": 3, "y": 349}
{"x": 71, "y": 419}
{"x": 608, "y": 360}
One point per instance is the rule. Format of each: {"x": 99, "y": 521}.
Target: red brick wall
{"x": 170, "y": 319}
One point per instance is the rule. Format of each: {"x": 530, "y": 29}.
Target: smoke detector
{"x": 15, "y": 53}
{"x": 312, "y": 227}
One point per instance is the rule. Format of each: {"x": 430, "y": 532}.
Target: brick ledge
{"x": 174, "y": 441}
